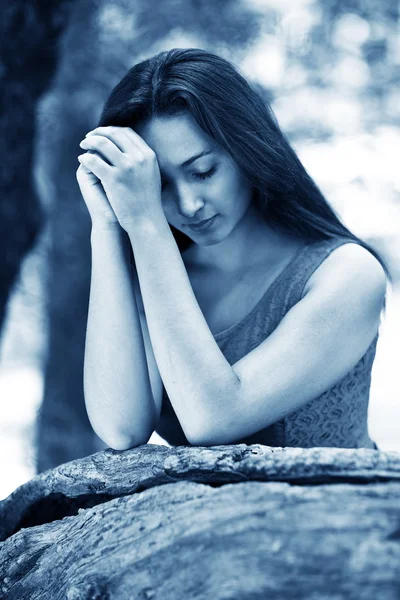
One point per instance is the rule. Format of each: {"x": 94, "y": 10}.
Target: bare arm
{"x": 196, "y": 375}
{"x": 117, "y": 388}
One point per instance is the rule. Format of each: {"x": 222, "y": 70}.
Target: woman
{"x": 258, "y": 326}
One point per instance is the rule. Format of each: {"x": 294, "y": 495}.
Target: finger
{"x": 131, "y": 135}
{"x": 137, "y": 139}
{"x": 105, "y": 147}
{"x": 82, "y": 174}
{"x": 118, "y": 135}
{"x": 96, "y": 165}
{"x": 82, "y": 169}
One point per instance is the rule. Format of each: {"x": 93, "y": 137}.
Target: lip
{"x": 203, "y": 224}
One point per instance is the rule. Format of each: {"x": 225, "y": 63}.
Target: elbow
{"x": 195, "y": 437}
{"x": 118, "y": 438}
{"x": 215, "y": 426}
{"x": 126, "y": 443}
{"x": 206, "y": 438}
{"x": 203, "y": 436}
{"x": 201, "y": 443}
{"x": 215, "y": 429}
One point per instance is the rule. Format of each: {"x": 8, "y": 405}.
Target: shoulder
{"x": 352, "y": 270}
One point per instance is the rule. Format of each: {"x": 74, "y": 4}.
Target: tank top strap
{"x": 291, "y": 286}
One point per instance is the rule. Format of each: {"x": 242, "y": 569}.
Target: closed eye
{"x": 206, "y": 174}
{"x": 202, "y": 176}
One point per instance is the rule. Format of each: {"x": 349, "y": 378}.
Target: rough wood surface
{"x": 234, "y": 522}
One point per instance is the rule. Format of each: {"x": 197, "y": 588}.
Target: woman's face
{"x": 195, "y": 189}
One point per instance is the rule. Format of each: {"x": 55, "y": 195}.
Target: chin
{"x": 209, "y": 242}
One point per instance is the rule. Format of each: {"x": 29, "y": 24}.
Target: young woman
{"x": 248, "y": 312}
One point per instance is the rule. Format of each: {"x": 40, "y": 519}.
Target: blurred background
{"x": 330, "y": 69}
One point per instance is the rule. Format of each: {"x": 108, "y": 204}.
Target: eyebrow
{"x": 193, "y": 158}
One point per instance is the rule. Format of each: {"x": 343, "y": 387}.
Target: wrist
{"x": 106, "y": 241}
{"x": 107, "y": 229}
{"x": 146, "y": 224}
{"x": 109, "y": 236}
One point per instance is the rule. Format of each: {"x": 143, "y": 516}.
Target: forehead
{"x": 175, "y": 139}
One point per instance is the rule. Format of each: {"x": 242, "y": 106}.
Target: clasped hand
{"x": 128, "y": 170}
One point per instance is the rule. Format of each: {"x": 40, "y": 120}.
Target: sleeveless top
{"x": 336, "y": 418}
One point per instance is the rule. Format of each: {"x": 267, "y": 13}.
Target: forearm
{"x": 195, "y": 373}
{"x": 117, "y": 389}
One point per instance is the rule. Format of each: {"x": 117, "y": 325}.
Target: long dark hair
{"x": 240, "y": 119}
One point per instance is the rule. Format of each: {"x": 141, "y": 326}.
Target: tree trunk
{"x": 28, "y": 48}
{"x": 238, "y": 522}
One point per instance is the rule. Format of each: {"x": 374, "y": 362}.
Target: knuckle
{"x": 151, "y": 154}
{"x": 114, "y": 174}
{"x": 107, "y": 128}
{"x": 118, "y": 175}
{"x": 135, "y": 161}
{"x": 127, "y": 163}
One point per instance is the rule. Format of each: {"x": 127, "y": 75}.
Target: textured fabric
{"x": 338, "y": 417}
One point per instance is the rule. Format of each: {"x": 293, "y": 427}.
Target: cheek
{"x": 244, "y": 189}
{"x": 232, "y": 179}
{"x": 236, "y": 189}
{"x": 170, "y": 211}
{"x": 224, "y": 187}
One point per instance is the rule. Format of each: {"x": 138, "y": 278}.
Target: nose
{"x": 188, "y": 202}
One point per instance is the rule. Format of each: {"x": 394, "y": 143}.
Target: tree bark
{"x": 238, "y": 522}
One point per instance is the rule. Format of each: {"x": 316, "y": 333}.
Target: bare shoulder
{"x": 352, "y": 269}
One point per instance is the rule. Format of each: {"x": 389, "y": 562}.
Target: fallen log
{"x": 238, "y": 522}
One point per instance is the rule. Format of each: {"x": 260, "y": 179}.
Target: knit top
{"x": 336, "y": 418}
